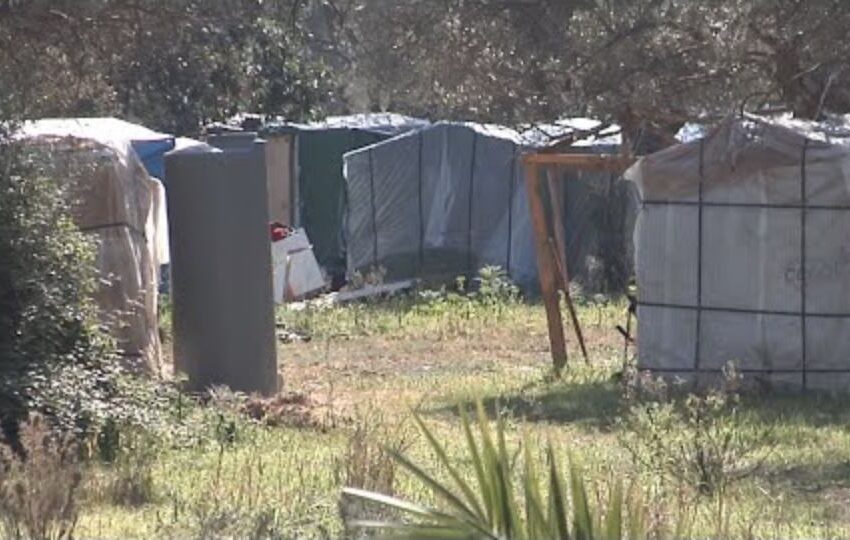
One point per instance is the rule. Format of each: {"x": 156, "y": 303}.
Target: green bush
{"x": 54, "y": 356}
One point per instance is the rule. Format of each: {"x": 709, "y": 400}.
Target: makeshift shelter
{"x": 742, "y": 253}
{"x": 449, "y": 199}
{"x": 150, "y": 146}
{"x": 438, "y": 203}
{"x": 114, "y": 199}
{"x": 312, "y": 153}
{"x": 598, "y": 209}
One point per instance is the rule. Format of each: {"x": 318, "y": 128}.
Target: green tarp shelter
{"x": 318, "y": 163}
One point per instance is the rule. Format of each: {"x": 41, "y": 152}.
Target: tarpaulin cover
{"x": 388, "y": 124}
{"x": 114, "y": 199}
{"x": 742, "y": 253}
{"x": 439, "y": 203}
{"x": 321, "y": 186}
{"x": 449, "y": 199}
{"x": 150, "y": 146}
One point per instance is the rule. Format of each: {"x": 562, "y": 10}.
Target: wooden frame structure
{"x": 549, "y": 237}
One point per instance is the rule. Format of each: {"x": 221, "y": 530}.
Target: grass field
{"x": 366, "y": 367}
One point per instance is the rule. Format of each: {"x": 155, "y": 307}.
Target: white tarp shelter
{"x": 743, "y": 253}
{"x": 114, "y": 199}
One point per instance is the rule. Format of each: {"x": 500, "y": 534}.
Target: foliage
{"x": 295, "y": 475}
{"x": 648, "y": 64}
{"x": 173, "y": 65}
{"x": 38, "y": 490}
{"x": 696, "y": 438}
{"x": 489, "y": 508}
{"x": 495, "y": 287}
{"x": 492, "y": 296}
{"x": 368, "y": 464}
{"x": 54, "y": 354}
{"x": 130, "y": 478}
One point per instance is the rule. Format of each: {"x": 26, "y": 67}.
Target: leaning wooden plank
{"x": 546, "y": 268}
{"x": 556, "y": 195}
{"x": 560, "y": 254}
{"x": 571, "y": 307}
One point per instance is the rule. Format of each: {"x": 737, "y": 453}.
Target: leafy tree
{"x": 172, "y": 65}
{"x": 648, "y": 64}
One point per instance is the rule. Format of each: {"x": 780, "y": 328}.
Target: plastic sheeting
{"x": 320, "y": 189}
{"x": 439, "y": 203}
{"x": 742, "y": 254}
{"x": 150, "y": 146}
{"x": 115, "y": 200}
{"x": 449, "y": 199}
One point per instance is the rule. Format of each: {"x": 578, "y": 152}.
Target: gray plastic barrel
{"x": 221, "y": 270}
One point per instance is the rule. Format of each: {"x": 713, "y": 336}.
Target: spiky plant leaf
{"x": 498, "y": 513}
{"x": 582, "y": 521}
{"x": 557, "y": 499}
{"x": 471, "y": 498}
{"x": 614, "y": 517}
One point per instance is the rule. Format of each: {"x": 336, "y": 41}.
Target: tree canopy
{"x": 173, "y": 65}
{"x": 178, "y": 64}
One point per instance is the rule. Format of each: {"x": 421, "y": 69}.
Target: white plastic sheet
{"x": 114, "y": 199}
{"x": 743, "y": 254}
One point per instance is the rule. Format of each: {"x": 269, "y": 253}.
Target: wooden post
{"x": 565, "y": 286}
{"x": 559, "y": 245}
{"x": 546, "y": 268}
{"x": 556, "y": 194}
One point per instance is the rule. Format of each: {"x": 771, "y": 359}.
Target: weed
{"x": 39, "y": 488}
{"x": 368, "y": 464}
{"x": 131, "y": 479}
{"x": 494, "y": 287}
{"x": 693, "y": 437}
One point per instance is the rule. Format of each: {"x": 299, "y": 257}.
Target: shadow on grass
{"x": 811, "y": 478}
{"x": 787, "y": 409}
{"x": 598, "y": 403}
{"x": 592, "y": 404}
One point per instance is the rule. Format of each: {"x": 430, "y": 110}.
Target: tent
{"x": 312, "y": 153}
{"x": 438, "y": 203}
{"x": 114, "y": 199}
{"x": 451, "y": 198}
{"x": 742, "y": 253}
{"x": 150, "y": 146}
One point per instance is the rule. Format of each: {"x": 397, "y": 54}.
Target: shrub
{"x": 52, "y": 349}
{"x": 38, "y": 489}
{"x": 490, "y": 507}
{"x": 697, "y": 438}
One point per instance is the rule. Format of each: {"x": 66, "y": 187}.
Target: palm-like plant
{"x": 491, "y": 507}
